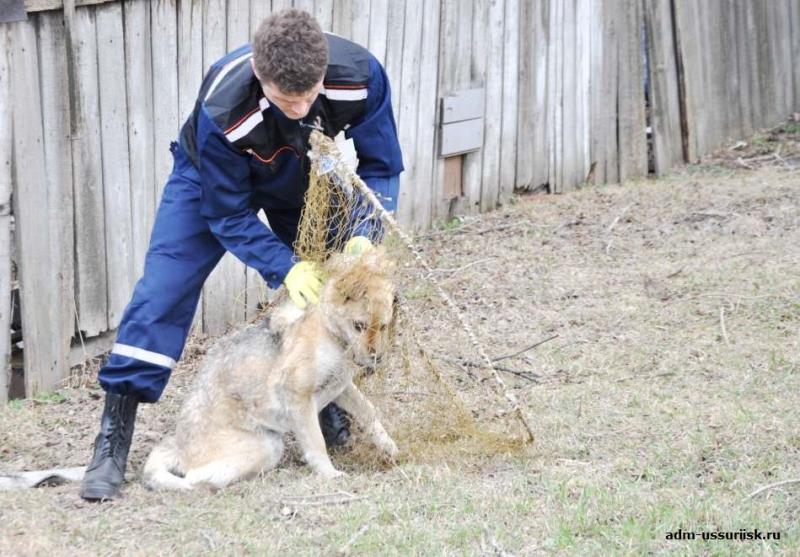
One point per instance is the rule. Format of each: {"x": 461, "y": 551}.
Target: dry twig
{"x": 322, "y": 503}
{"x": 612, "y": 225}
{"x": 773, "y": 486}
{"x": 525, "y": 374}
{"x": 345, "y": 549}
{"x": 528, "y": 349}
{"x": 722, "y": 325}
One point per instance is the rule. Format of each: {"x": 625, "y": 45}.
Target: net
{"x": 433, "y": 412}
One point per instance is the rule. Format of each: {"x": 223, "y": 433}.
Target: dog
{"x": 273, "y": 377}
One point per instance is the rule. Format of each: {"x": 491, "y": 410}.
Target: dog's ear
{"x": 347, "y": 288}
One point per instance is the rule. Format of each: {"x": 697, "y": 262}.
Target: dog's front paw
{"x": 388, "y": 448}
{"x": 334, "y": 473}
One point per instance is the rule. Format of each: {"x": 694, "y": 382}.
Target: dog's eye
{"x": 359, "y": 326}
{"x": 383, "y": 327}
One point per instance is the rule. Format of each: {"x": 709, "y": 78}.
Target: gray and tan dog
{"x": 272, "y": 377}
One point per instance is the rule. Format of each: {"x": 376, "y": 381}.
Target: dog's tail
{"x": 158, "y": 470}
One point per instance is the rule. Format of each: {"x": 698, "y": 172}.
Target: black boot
{"x": 105, "y": 473}
{"x": 335, "y": 425}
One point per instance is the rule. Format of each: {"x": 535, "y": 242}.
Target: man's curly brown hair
{"x": 290, "y": 51}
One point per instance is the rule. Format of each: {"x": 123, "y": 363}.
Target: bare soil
{"x": 665, "y": 392}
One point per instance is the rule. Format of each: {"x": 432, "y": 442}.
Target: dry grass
{"x": 669, "y": 394}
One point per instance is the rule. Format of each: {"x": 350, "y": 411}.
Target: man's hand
{"x": 304, "y": 282}
{"x": 358, "y": 245}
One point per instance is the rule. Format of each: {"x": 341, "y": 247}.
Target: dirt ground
{"x": 665, "y": 393}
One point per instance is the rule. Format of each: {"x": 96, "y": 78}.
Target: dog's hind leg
{"x": 246, "y": 457}
{"x": 354, "y": 402}
{"x": 163, "y": 462}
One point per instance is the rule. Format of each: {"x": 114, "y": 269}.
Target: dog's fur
{"x": 274, "y": 376}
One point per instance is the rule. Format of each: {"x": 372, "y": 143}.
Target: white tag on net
{"x": 348, "y": 150}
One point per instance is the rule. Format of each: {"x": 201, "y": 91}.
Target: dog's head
{"x": 359, "y": 302}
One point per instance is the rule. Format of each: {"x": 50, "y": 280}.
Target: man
{"x": 241, "y": 150}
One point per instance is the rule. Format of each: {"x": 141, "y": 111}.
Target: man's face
{"x": 294, "y": 106}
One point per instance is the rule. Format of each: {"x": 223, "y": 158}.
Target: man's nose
{"x": 301, "y": 107}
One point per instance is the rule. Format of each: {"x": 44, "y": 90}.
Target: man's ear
{"x": 253, "y": 65}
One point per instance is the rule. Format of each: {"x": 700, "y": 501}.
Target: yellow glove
{"x": 358, "y": 245}
{"x": 304, "y": 282}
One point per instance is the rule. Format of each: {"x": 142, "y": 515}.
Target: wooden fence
{"x": 93, "y": 91}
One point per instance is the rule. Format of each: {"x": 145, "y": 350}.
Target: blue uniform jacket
{"x": 251, "y": 157}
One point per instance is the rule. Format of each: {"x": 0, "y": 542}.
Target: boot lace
{"x": 115, "y": 433}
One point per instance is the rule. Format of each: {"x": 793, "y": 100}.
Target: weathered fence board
{"x": 259, "y": 9}
{"x": 278, "y": 5}
{"x": 59, "y": 311}
{"x": 6, "y": 180}
{"x": 632, "y": 142}
{"x": 555, "y": 94}
{"x": 378, "y": 24}
{"x": 455, "y": 33}
{"x": 341, "y": 19}
{"x": 409, "y": 99}
{"x": 425, "y": 154}
{"x": 742, "y": 85}
{"x": 32, "y": 208}
{"x": 532, "y": 130}
{"x": 493, "y": 106}
{"x": 115, "y": 160}
{"x": 472, "y": 167}
{"x": 358, "y": 12}
{"x": 166, "y": 118}
{"x": 139, "y": 94}
{"x": 91, "y": 282}
{"x": 567, "y": 157}
{"x": 394, "y": 56}
{"x": 508, "y": 134}
{"x": 190, "y": 55}
{"x": 323, "y": 11}
{"x": 238, "y": 23}
{"x": 604, "y": 77}
{"x": 665, "y": 114}
{"x": 583, "y": 131}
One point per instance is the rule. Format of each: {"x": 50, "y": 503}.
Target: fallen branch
{"x": 525, "y": 374}
{"x": 340, "y": 501}
{"x": 772, "y": 486}
{"x": 529, "y": 348}
{"x": 651, "y": 376}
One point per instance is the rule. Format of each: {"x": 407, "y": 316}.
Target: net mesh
{"x": 333, "y": 207}
{"x": 433, "y": 412}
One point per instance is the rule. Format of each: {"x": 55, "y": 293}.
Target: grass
{"x": 648, "y": 418}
